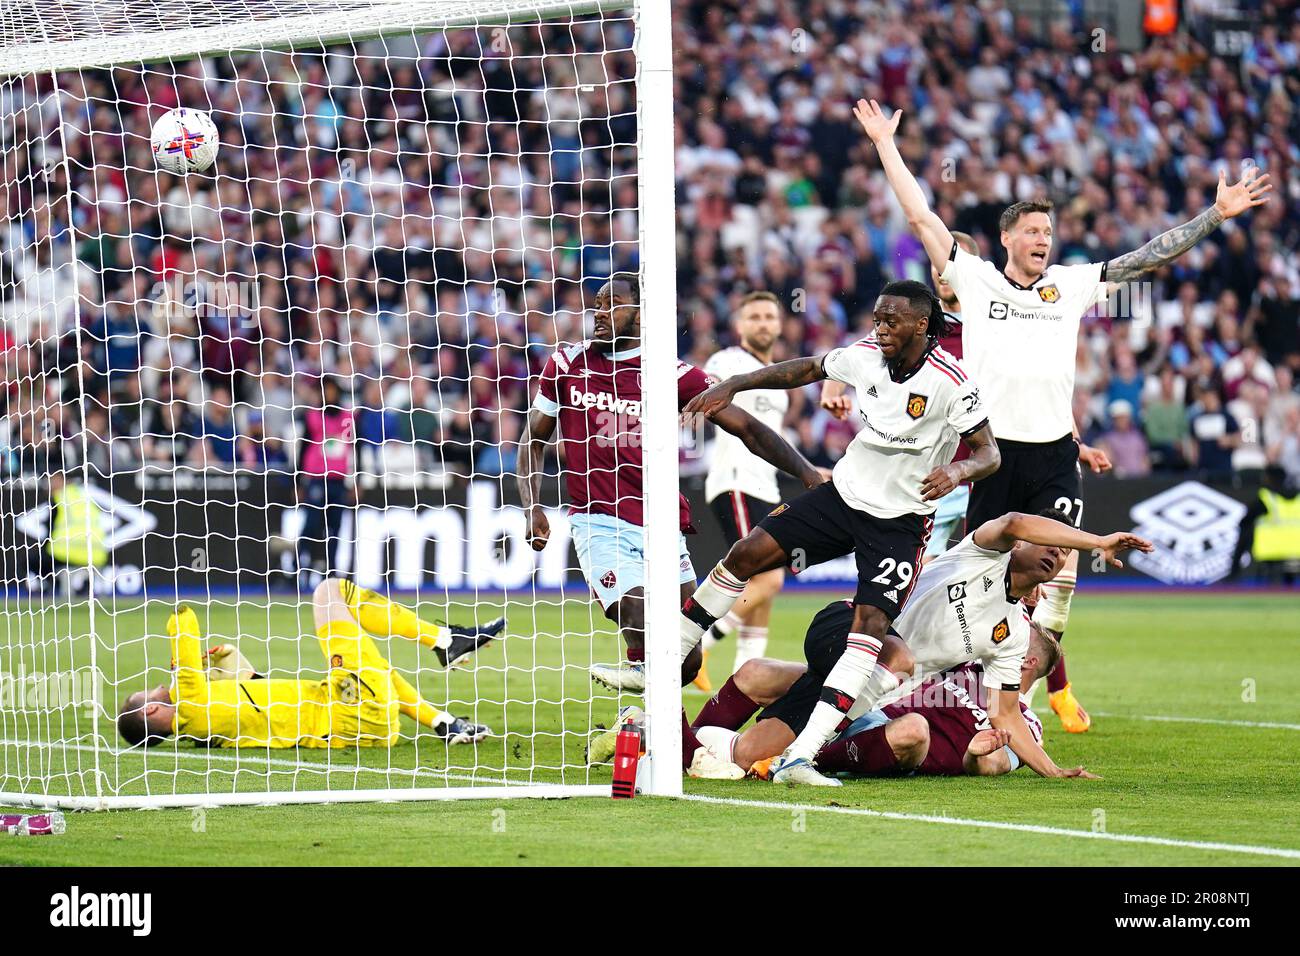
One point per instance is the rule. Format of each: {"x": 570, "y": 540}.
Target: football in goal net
{"x": 280, "y": 285}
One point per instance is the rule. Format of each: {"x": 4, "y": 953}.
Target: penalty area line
{"x": 999, "y": 825}
{"x": 1268, "y": 725}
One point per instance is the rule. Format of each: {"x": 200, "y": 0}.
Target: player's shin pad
{"x": 711, "y": 600}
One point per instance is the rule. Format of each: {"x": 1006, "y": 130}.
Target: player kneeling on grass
{"x": 218, "y": 699}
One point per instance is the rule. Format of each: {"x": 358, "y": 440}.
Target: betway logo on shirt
{"x": 1004, "y": 310}
{"x": 604, "y": 401}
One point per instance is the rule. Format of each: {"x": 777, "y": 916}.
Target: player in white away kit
{"x": 741, "y": 488}
{"x": 917, "y": 403}
{"x": 965, "y": 608}
{"x": 1020, "y": 331}
{"x": 951, "y": 514}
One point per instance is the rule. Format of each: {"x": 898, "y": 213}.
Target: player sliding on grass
{"x": 966, "y": 607}
{"x": 218, "y": 699}
{"x": 593, "y": 392}
{"x": 916, "y": 404}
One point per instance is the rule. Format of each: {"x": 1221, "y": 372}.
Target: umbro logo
{"x": 872, "y": 392}
{"x": 988, "y": 583}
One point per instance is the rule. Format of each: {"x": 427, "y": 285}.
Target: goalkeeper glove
{"x": 224, "y": 662}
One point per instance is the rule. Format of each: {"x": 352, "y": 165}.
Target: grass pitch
{"x": 1196, "y": 704}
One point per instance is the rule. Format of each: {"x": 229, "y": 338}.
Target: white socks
{"x": 711, "y": 600}
{"x": 846, "y": 682}
{"x": 751, "y": 642}
{"x": 720, "y": 740}
{"x": 1053, "y": 611}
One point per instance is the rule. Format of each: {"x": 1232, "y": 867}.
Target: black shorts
{"x": 825, "y": 641}
{"x": 739, "y": 513}
{"x": 819, "y": 526}
{"x": 1033, "y": 476}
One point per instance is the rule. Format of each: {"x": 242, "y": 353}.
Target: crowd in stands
{"x": 419, "y": 221}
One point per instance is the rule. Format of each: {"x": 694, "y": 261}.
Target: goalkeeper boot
{"x": 467, "y": 640}
{"x": 1074, "y": 718}
{"x": 800, "y": 771}
{"x": 601, "y": 748}
{"x": 625, "y": 675}
{"x": 458, "y": 730}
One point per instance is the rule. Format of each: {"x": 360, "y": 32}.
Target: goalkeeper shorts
{"x": 364, "y": 709}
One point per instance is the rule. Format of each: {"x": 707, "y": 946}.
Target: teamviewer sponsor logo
{"x": 1194, "y": 529}
{"x": 77, "y": 909}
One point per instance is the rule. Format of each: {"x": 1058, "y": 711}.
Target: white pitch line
{"x": 308, "y": 766}
{"x": 1201, "y": 720}
{"x": 999, "y": 825}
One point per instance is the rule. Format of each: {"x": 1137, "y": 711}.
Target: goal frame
{"x": 659, "y": 771}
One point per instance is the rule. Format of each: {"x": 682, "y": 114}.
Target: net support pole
{"x": 659, "y": 433}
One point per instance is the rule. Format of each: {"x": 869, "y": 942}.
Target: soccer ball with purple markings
{"x": 184, "y": 141}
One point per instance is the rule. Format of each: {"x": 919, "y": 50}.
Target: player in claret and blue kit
{"x": 591, "y": 392}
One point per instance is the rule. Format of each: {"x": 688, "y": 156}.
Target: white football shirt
{"x": 959, "y": 611}
{"x": 733, "y": 466}
{"x": 1019, "y": 341}
{"x": 909, "y": 427}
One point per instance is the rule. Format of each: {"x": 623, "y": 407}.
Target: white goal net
{"x": 287, "y": 393}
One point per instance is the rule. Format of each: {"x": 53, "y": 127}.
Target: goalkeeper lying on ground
{"x": 217, "y": 698}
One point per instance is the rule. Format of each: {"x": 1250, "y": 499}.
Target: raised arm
{"x": 532, "y": 450}
{"x": 1229, "y": 201}
{"x": 767, "y": 444}
{"x": 1001, "y": 534}
{"x": 794, "y": 373}
{"x": 187, "y": 658}
{"x": 927, "y": 227}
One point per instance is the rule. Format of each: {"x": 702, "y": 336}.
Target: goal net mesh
{"x": 310, "y": 363}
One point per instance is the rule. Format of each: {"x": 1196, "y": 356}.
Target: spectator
{"x": 1215, "y": 433}
{"x": 1164, "y": 420}
{"x": 1124, "y": 443}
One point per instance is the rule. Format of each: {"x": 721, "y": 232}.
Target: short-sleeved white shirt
{"x": 909, "y": 427}
{"x": 960, "y": 611}
{"x": 1019, "y": 342}
{"x": 733, "y": 467}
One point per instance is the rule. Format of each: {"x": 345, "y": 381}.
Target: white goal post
{"x": 312, "y": 362}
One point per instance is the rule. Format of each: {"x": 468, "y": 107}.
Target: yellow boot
{"x": 702, "y": 678}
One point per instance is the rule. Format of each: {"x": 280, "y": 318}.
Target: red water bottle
{"x": 627, "y": 751}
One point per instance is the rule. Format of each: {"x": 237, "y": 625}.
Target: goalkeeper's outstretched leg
{"x": 384, "y": 618}
{"x": 338, "y": 601}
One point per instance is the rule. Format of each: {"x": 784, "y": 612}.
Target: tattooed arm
{"x": 1229, "y": 201}
{"x": 794, "y": 373}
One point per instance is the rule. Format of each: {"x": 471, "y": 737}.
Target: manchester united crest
{"x": 1000, "y": 631}
{"x": 1049, "y": 293}
{"x": 336, "y": 660}
{"x": 916, "y": 405}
